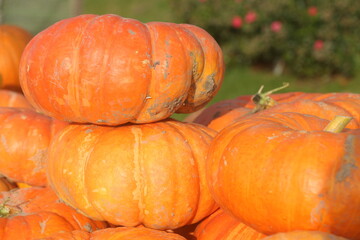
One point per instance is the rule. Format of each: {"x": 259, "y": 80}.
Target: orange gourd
{"x": 151, "y": 174}
{"x": 13, "y": 40}
{"x": 281, "y": 172}
{"x": 9, "y": 98}
{"x": 35, "y": 212}
{"x": 222, "y": 226}
{"x": 111, "y": 70}
{"x": 25, "y": 138}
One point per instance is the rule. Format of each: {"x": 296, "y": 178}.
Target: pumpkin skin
{"x": 119, "y": 233}
{"x": 304, "y": 235}
{"x": 150, "y": 174}
{"x": 222, "y": 226}
{"x": 280, "y": 172}
{"x": 111, "y": 70}
{"x": 9, "y": 98}
{"x": 13, "y": 40}
{"x": 25, "y": 138}
{"x": 36, "y": 212}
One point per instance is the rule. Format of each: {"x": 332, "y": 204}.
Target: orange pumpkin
{"x": 304, "y": 235}
{"x": 111, "y": 70}
{"x": 151, "y": 174}
{"x": 9, "y": 98}
{"x": 281, "y": 172}
{"x": 35, "y": 212}
{"x": 25, "y": 138}
{"x": 119, "y": 233}
{"x": 13, "y": 40}
{"x": 222, "y": 226}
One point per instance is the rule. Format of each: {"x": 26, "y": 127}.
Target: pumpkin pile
{"x": 102, "y": 159}
{"x": 99, "y": 134}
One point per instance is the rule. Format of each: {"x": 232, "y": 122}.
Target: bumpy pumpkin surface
{"x": 111, "y": 70}
{"x": 13, "y": 40}
{"x": 25, "y": 138}
{"x": 151, "y": 174}
{"x": 35, "y": 212}
{"x": 304, "y": 235}
{"x": 222, "y": 226}
{"x": 280, "y": 172}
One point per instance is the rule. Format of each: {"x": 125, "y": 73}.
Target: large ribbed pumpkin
{"x": 112, "y": 70}
{"x": 32, "y": 213}
{"x": 24, "y": 140}
{"x": 280, "y": 172}
{"x": 151, "y": 174}
{"x": 13, "y": 40}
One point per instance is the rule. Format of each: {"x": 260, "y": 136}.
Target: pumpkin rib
{"x": 178, "y": 129}
{"x": 84, "y": 170}
{"x": 201, "y": 131}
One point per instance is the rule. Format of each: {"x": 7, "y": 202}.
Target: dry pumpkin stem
{"x": 263, "y": 100}
{"x": 337, "y": 124}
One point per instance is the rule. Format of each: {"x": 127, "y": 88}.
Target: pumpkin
{"x": 222, "y": 226}
{"x": 36, "y": 212}
{"x": 280, "y": 172}
{"x": 118, "y": 233}
{"x": 13, "y": 40}
{"x": 6, "y": 184}
{"x": 325, "y": 106}
{"x": 25, "y": 138}
{"x": 9, "y": 98}
{"x": 151, "y": 174}
{"x": 111, "y": 70}
{"x": 304, "y": 235}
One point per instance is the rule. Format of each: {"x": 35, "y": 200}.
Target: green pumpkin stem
{"x": 338, "y": 124}
{"x": 5, "y": 211}
{"x": 263, "y": 100}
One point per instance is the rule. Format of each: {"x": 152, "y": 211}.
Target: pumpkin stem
{"x": 7, "y": 210}
{"x": 263, "y": 100}
{"x": 337, "y": 124}
{"x": 4, "y": 209}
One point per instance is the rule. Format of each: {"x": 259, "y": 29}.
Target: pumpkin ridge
{"x": 177, "y": 128}
{"x": 84, "y": 170}
{"x": 139, "y": 175}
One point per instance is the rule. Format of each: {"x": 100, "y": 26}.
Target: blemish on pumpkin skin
{"x": 317, "y": 212}
{"x": 43, "y": 226}
{"x": 349, "y": 163}
{"x": 131, "y": 32}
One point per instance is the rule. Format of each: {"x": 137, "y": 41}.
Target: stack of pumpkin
{"x": 98, "y": 138}
{"x": 101, "y": 138}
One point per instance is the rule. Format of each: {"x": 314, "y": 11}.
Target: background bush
{"x": 306, "y": 38}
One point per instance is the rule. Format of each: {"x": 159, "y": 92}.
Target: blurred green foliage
{"x": 309, "y": 38}
{"x": 35, "y": 15}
